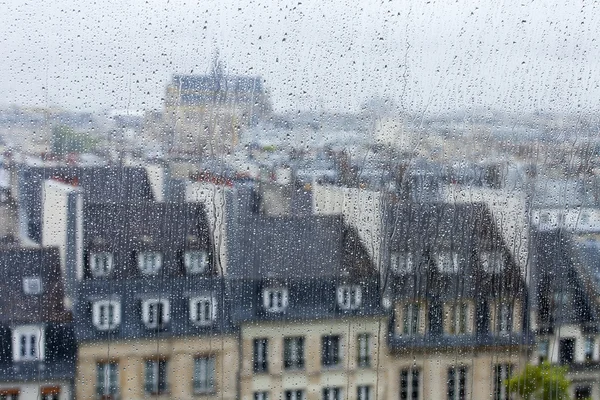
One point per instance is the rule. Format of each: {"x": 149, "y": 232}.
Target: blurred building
{"x": 37, "y": 356}
{"x": 204, "y": 114}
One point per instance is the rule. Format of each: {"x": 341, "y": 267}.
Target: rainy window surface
{"x": 299, "y": 200}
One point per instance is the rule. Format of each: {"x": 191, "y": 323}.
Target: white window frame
{"x": 261, "y": 395}
{"x": 105, "y": 388}
{"x": 196, "y": 261}
{"x": 275, "y": 300}
{"x": 34, "y": 340}
{"x": 32, "y": 285}
{"x": 413, "y": 378}
{"x": 332, "y": 393}
{"x": 364, "y": 392}
{"x": 293, "y": 352}
{"x": 445, "y": 260}
{"x": 147, "y": 308}
{"x": 204, "y": 374}
{"x": 411, "y": 318}
{"x": 364, "y": 350}
{"x": 294, "y": 394}
{"x": 460, "y": 312}
{"x": 104, "y": 260}
{"x": 106, "y": 323}
{"x": 402, "y": 263}
{"x": 144, "y": 263}
{"x": 194, "y": 308}
{"x": 492, "y": 262}
{"x": 458, "y": 371}
{"x": 349, "y": 297}
{"x": 504, "y": 319}
{"x": 500, "y": 374}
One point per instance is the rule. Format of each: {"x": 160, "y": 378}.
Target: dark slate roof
{"x": 563, "y": 291}
{"x": 309, "y": 299}
{"x": 16, "y": 307}
{"x": 132, "y": 292}
{"x": 427, "y": 229}
{"x": 230, "y": 83}
{"x": 107, "y": 184}
{"x": 128, "y": 228}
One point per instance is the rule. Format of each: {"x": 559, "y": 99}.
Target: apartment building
{"x": 37, "y": 355}
{"x": 458, "y": 327}
{"x": 152, "y": 318}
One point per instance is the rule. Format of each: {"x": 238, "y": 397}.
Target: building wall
{"x": 433, "y": 367}
{"x": 180, "y": 354}
{"x": 314, "y": 377}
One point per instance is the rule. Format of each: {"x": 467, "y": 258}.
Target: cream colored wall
{"x": 434, "y": 367}
{"x": 314, "y": 377}
{"x": 180, "y": 353}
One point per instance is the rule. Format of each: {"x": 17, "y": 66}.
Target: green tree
{"x": 65, "y": 140}
{"x": 541, "y": 382}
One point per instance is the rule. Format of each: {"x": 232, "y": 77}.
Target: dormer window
{"x": 196, "y": 261}
{"x": 155, "y": 313}
{"x": 106, "y": 314}
{"x": 447, "y": 262}
{"x": 492, "y": 262}
{"x": 32, "y": 285}
{"x": 349, "y": 297}
{"x": 275, "y": 300}
{"x": 101, "y": 264}
{"x": 402, "y": 263}
{"x": 28, "y": 343}
{"x": 150, "y": 262}
{"x": 203, "y": 310}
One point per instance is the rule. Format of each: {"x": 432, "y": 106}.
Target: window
{"x": 107, "y": 381}
{"x": 9, "y": 394}
{"x": 294, "y": 394}
{"x": 363, "y": 393}
{"x": 330, "y": 351}
{"x": 492, "y": 262}
{"x": 583, "y": 392}
{"x": 50, "y": 393}
{"x": 589, "y": 349}
{"x": 409, "y": 384}
{"x": 260, "y": 355}
{"x": 447, "y": 262}
{"x": 261, "y": 395}
{"x": 204, "y": 375}
{"x": 332, "y": 393}
{"x": 155, "y": 313}
{"x": 364, "y": 350}
{"x": 410, "y": 319}
{"x": 149, "y": 262}
{"x": 203, "y": 310}
{"x": 504, "y": 323}
{"x": 106, "y": 314}
{"x": 402, "y": 263}
{"x": 459, "y": 318}
{"x": 275, "y": 300}
{"x": 502, "y": 372}
{"x": 542, "y": 350}
{"x": 32, "y": 285}
{"x": 28, "y": 343}
{"x": 566, "y": 351}
{"x": 293, "y": 352}
{"x": 101, "y": 264}
{"x": 457, "y": 383}
{"x": 349, "y": 297}
{"x": 196, "y": 261}
{"x": 156, "y": 377}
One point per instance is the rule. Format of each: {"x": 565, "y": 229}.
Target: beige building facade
{"x": 131, "y": 356}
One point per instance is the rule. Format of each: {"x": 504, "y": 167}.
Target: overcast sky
{"x": 427, "y": 56}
